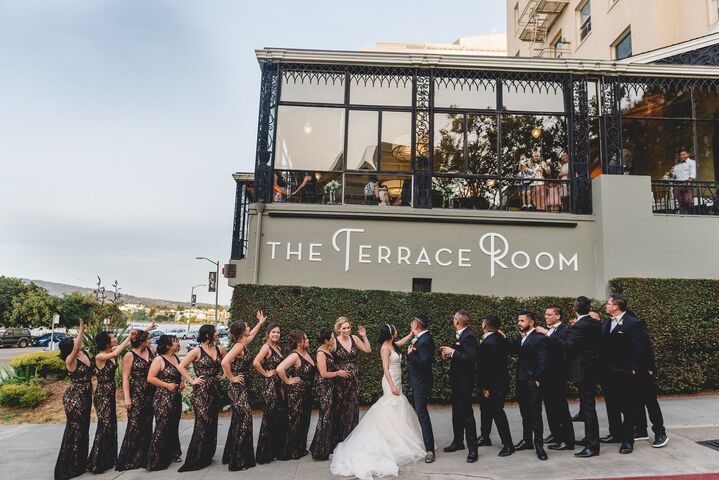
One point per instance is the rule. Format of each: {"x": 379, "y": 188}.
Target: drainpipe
{"x": 260, "y": 206}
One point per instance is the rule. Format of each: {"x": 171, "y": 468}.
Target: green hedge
{"x": 683, "y": 317}
{"x": 43, "y": 364}
{"x": 25, "y": 395}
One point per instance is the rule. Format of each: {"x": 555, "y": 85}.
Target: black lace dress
{"x": 103, "y": 453}
{"x": 299, "y": 410}
{"x": 206, "y": 404}
{"x": 274, "y": 413}
{"x": 323, "y": 442}
{"x": 72, "y": 459}
{"x": 165, "y": 443}
{"x": 239, "y": 451}
{"x": 346, "y": 392}
{"x": 133, "y": 452}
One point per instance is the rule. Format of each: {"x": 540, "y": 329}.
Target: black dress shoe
{"x": 541, "y": 454}
{"x": 472, "y": 456}
{"x": 429, "y": 458}
{"x": 506, "y": 451}
{"x": 586, "y": 453}
{"x": 550, "y": 439}
{"x": 582, "y": 443}
{"x": 484, "y": 442}
{"x": 578, "y": 417}
{"x": 454, "y": 447}
{"x": 626, "y": 448}
{"x": 609, "y": 439}
{"x": 560, "y": 446}
{"x": 660, "y": 441}
{"x": 523, "y": 445}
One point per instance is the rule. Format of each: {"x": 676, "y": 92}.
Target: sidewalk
{"x": 29, "y": 452}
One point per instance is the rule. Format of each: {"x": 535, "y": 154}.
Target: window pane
{"x": 585, "y": 12}
{"x": 707, "y": 105}
{"x": 449, "y": 143}
{"x": 309, "y": 138}
{"x": 362, "y": 140}
{"x": 640, "y": 101}
{"x": 707, "y": 158}
{"x": 652, "y": 146}
{"x": 319, "y": 187}
{"x": 396, "y": 142}
{"x": 624, "y": 47}
{"x": 301, "y": 88}
{"x": 384, "y": 190}
{"x": 391, "y": 90}
{"x": 469, "y": 193}
{"x": 523, "y": 135}
{"x": 482, "y": 144}
{"x": 463, "y": 93}
{"x": 593, "y": 97}
{"x": 525, "y": 96}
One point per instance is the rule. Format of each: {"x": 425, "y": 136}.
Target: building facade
{"x": 484, "y": 175}
{"x": 604, "y": 29}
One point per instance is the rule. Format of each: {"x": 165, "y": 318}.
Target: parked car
{"x": 15, "y": 337}
{"x": 181, "y": 333}
{"x": 224, "y": 341}
{"x": 44, "y": 340}
{"x": 155, "y": 336}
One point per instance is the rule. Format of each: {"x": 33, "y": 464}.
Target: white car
{"x": 181, "y": 333}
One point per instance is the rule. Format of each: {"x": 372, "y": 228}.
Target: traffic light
{"x": 194, "y": 300}
{"x": 212, "y": 282}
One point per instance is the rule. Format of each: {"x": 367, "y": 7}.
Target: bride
{"x": 389, "y": 434}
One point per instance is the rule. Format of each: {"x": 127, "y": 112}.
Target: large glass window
{"x": 477, "y": 94}
{"x": 449, "y": 143}
{"x": 623, "y": 47}
{"x": 396, "y": 145}
{"x": 585, "y": 20}
{"x": 482, "y": 144}
{"x": 362, "y": 136}
{"x": 653, "y": 145}
{"x": 708, "y": 149}
{"x": 296, "y": 87}
{"x": 309, "y": 138}
{"x": 391, "y": 90}
{"x": 525, "y": 136}
{"x": 707, "y": 105}
{"x": 640, "y": 101}
{"x": 533, "y": 97}
{"x": 378, "y": 189}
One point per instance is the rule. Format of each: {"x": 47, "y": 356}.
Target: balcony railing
{"x": 240, "y": 230}
{"x": 689, "y": 198}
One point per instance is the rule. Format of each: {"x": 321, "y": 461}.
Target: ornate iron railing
{"x": 244, "y": 195}
{"x": 689, "y": 198}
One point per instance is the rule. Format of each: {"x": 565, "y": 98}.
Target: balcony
{"x": 537, "y": 17}
{"x": 687, "y": 198}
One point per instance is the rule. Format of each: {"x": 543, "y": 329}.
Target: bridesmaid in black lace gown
{"x": 323, "y": 442}
{"x": 274, "y": 413}
{"x": 346, "y": 391}
{"x": 138, "y": 395}
{"x": 239, "y": 453}
{"x": 301, "y": 370}
{"x": 72, "y": 459}
{"x": 103, "y": 453}
{"x": 166, "y": 374}
{"x": 206, "y": 398}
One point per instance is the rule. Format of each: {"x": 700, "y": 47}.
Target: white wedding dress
{"x": 387, "y": 436}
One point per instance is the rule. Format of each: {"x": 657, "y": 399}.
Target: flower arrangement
{"x": 330, "y": 188}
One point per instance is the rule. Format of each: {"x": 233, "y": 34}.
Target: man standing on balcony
{"x": 684, "y": 171}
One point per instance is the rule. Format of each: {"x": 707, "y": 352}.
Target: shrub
{"x": 25, "y": 395}
{"x": 41, "y": 364}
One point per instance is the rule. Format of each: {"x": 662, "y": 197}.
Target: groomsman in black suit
{"x": 648, "y": 398}
{"x": 493, "y": 380}
{"x": 624, "y": 357}
{"x": 462, "y": 356}
{"x": 554, "y": 389}
{"x": 531, "y": 347}
{"x": 582, "y": 346}
{"x": 419, "y": 362}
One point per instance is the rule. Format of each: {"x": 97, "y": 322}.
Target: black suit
{"x": 461, "y": 376}
{"x": 420, "y": 380}
{"x": 493, "y": 376}
{"x": 623, "y": 355}
{"x": 647, "y": 388}
{"x": 554, "y": 388}
{"x": 531, "y": 368}
{"x": 582, "y": 346}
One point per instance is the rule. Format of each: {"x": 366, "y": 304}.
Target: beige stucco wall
{"x": 621, "y": 239}
{"x": 654, "y": 24}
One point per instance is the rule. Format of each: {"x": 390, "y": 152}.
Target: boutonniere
{"x": 413, "y": 341}
{"x": 620, "y": 322}
{"x": 457, "y": 344}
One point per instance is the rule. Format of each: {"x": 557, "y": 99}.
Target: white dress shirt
{"x": 683, "y": 171}
{"x": 524, "y": 337}
{"x": 615, "y": 321}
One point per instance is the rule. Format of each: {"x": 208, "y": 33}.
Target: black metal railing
{"x": 244, "y": 195}
{"x": 688, "y": 198}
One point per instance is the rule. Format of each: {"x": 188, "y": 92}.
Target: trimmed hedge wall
{"x": 683, "y": 316}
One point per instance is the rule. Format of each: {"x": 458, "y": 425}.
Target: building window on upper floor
{"x": 558, "y": 45}
{"x": 585, "y": 20}
{"x": 623, "y": 46}
{"x": 516, "y": 16}
{"x": 713, "y": 11}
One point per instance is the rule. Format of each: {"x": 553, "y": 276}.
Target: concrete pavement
{"x": 29, "y": 452}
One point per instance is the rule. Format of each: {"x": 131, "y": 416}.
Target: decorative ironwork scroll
{"x": 422, "y": 195}
{"x": 576, "y": 98}
{"x": 612, "y": 150}
{"x": 240, "y": 225}
{"x": 266, "y": 126}
{"x": 708, "y": 56}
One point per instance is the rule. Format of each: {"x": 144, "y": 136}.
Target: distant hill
{"x": 60, "y": 289}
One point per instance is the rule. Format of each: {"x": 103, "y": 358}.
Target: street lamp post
{"x": 217, "y": 278}
{"x": 192, "y": 295}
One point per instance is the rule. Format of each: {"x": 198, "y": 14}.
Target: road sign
{"x": 212, "y": 282}
{"x": 194, "y": 300}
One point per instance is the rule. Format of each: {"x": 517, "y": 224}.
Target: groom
{"x": 419, "y": 359}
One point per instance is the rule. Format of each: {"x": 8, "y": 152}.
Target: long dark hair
{"x": 207, "y": 332}
{"x": 294, "y": 339}
{"x": 140, "y": 338}
{"x": 385, "y": 333}
{"x": 164, "y": 343}
{"x": 66, "y": 345}
{"x": 237, "y": 329}
{"x": 102, "y": 340}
